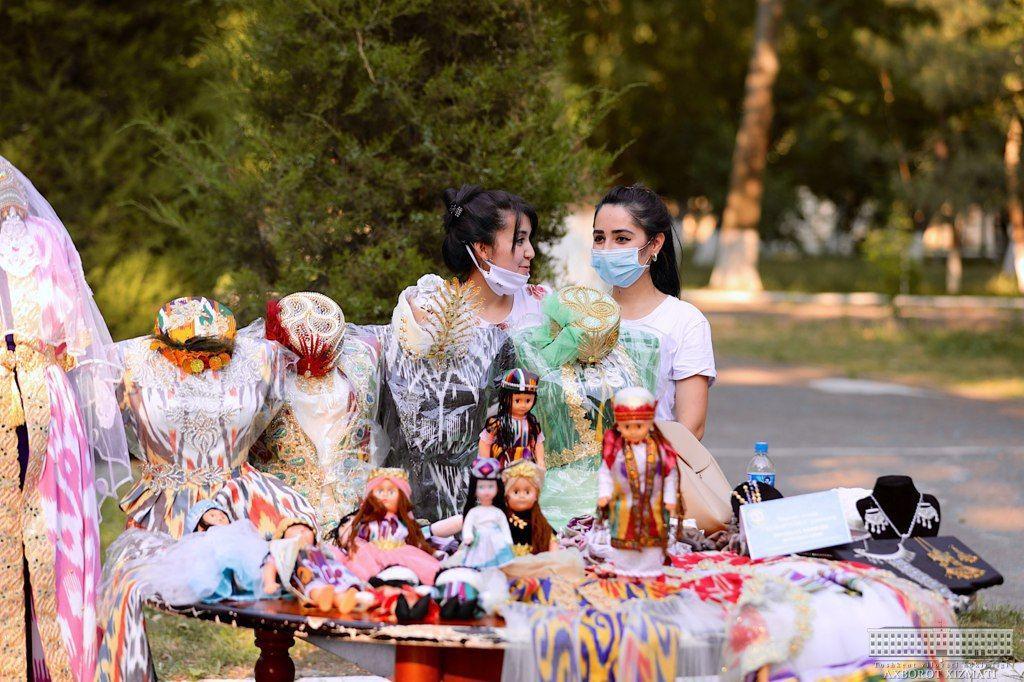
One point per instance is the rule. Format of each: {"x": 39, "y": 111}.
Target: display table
{"x": 453, "y": 651}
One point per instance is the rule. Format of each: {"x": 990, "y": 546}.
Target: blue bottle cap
{"x": 761, "y": 447}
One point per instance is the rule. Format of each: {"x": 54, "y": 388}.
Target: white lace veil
{"x": 97, "y": 369}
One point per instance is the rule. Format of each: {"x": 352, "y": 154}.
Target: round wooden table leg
{"x": 274, "y": 663}
{"x": 417, "y": 663}
{"x": 473, "y": 665}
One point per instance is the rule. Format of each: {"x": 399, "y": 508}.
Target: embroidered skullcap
{"x": 583, "y": 326}
{"x": 634, "y": 402}
{"x": 524, "y": 468}
{"x": 193, "y": 317}
{"x": 312, "y": 326}
{"x": 12, "y": 192}
{"x": 520, "y": 381}
{"x": 486, "y": 469}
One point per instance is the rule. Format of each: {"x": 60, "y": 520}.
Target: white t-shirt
{"x": 525, "y": 308}
{"x": 685, "y": 336}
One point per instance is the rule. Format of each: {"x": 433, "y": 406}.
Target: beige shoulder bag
{"x": 704, "y": 487}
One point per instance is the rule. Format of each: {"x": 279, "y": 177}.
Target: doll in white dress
{"x": 486, "y": 537}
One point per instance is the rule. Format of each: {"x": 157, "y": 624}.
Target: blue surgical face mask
{"x": 618, "y": 267}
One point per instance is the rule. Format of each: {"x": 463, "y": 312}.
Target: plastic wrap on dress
{"x": 574, "y": 409}
{"x": 66, "y": 316}
{"x": 433, "y": 413}
{"x": 194, "y": 433}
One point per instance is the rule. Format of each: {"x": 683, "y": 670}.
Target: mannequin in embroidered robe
{"x": 197, "y": 396}
{"x": 61, "y": 443}
{"x": 638, "y": 484}
{"x": 323, "y": 441}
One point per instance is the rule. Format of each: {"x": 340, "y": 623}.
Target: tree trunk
{"x": 1011, "y": 164}
{"x": 736, "y": 264}
{"x": 954, "y": 260}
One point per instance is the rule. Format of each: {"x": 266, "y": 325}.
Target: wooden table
{"x": 453, "y": 651}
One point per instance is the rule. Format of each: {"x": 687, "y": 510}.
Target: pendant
{"x": 875, "y": 521}
{"x": 874, "y": 557}
{"x": 926, "y": 515}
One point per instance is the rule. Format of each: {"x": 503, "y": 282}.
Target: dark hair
{"x": 473, "y": 214}
{"x": 499, "y": 497}
{"x": 503, "y": 423}
{"x": 650, "y": 213}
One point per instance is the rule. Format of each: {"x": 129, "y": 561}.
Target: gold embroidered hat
{"x": 583, "y": 326}
{"x": 524, "y": 468}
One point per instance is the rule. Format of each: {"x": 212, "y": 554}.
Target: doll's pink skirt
{"x": 368, "y": 560}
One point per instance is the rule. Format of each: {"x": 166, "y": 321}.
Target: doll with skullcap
{"x": 531, "y": 532}
{"x": 514, "y": 433}
{"x": 384, "y": 533}
{"x": 638, "y": 485}
{"x": 486, "y": 537}
{"x": 322, "y": 441}
{"x": 196, "y": 394}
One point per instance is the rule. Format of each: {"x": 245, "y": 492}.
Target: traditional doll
{"x": 514, "y": 433}
{"x": 384, "y": 532}
{"x": 62, "y": 446}
{"x": 322, "y": 441}
{"x": 638, "y": 485}
{"x": 486, "y": 538}
{"x": 399, "y": 597}
{"x": 318, "y": 576}
{"x": 204, "y": 515}
{"x": 531, "y": 532}
{"x": 197, "y": 395}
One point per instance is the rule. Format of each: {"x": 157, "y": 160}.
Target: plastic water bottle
{"x": 761, "y": 469}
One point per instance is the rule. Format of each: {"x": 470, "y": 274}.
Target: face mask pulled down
{"x": 501, "y": 281}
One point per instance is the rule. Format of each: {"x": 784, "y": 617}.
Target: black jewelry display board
{"x": 959, "y": 558}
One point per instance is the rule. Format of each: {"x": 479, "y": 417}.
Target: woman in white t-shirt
{"x": 633, "y": 252}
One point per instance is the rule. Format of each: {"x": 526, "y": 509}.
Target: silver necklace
{"x": 877, "y": 520}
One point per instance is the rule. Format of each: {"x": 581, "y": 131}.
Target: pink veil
{"x": 70, "y": 317}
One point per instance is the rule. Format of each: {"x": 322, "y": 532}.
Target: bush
{"x": 351, "y": 117}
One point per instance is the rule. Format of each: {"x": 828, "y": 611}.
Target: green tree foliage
{"x": 900, "y": 103}
{"x": 951, "y": 76}
{"x": 76, "y": 77}
{"x": 350, "y": 118}
{"x": 690, "y": 57}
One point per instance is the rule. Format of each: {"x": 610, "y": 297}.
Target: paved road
{"x": 826, "y": 432}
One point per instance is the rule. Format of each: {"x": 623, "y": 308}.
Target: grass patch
{"x": 997, "y": 617}
{"x": 815, "y": 274}
{"x": 983, "y": 363}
